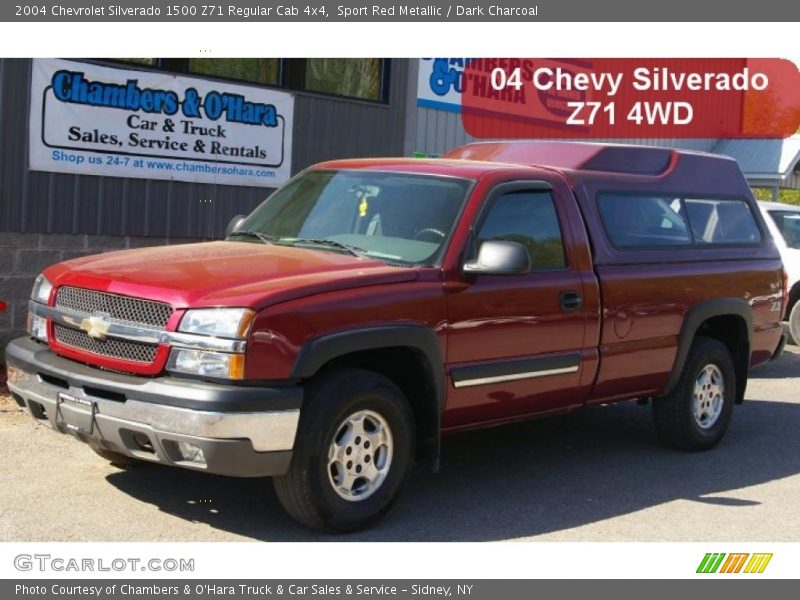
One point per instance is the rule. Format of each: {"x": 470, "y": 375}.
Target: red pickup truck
{"x": 368, "y": 306}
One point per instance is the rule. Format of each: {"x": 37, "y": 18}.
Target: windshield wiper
{"x": 267, "y": 239}
{"x": 354, "y": 250}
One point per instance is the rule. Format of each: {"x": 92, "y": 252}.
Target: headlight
{"x": 41, "y": 290}
{"x": 219, "y": 322}
{"x": 206, "y": 364}
{"x": 37, "y": 326}
{"x": 231, "y": 323}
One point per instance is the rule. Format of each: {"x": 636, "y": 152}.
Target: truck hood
{"x": 240, "y": 274}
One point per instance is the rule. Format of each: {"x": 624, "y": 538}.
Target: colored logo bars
{"x": 719, "y": 562}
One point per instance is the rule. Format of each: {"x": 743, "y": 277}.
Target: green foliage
{"x": 356, "y": 77}
{"x": 786, "y": 196}
{"x": 260, "y": 70}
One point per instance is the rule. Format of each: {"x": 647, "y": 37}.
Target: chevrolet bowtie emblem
{"x": 96, "y": 326}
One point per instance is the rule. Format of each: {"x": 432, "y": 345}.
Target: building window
{"x": 150, "y": 62}
{"x": 359, "y": 78}
{"x": 352, "y": 77}
{"x": 257, "y": 70}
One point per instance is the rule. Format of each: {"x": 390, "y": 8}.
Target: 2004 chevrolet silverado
{"x": 369, "y": 306}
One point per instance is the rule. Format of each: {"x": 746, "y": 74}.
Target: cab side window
{"x": 645, "y": 221}
{"x": 634, "y": 221}
{"x": 716, "y": 221}
{"x": 529, "y": 218}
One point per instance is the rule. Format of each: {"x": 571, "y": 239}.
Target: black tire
{"x": 673, "y": 415}
{"x": 794, "y": 324}
{"x": 307, "y": 491}
{"x": 115, "y": 458}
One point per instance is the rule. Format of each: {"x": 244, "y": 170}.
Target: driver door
{"x": 515, "y": 342}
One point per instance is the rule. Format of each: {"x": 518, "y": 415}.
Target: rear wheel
{"x": 353, "y": 452}
{"x": 696, "y": 414}
{"x": 794, "y": 323}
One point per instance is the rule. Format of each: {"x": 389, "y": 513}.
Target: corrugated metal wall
{"x": 439, "y": 131}
{"x": 38, "y": 202}
{"x": 2, "y": 131}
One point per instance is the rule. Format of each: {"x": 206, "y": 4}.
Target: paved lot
{"x": 597, "y": 475}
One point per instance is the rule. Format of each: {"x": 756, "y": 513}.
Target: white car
{"x": 783, "y": 221}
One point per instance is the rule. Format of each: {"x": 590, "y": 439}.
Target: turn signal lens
{"x": 236, "y": 369}
{"x": 37, "y": 327}
{"x": 204, "y": 363}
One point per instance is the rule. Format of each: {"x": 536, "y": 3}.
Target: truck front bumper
{"x": 237, "y": 430}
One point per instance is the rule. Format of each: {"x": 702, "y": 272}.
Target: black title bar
{"x": 396, "y": 589}
{"x": 431, "y": 11}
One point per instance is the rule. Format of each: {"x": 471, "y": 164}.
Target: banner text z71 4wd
{"x": 623, "y": 98}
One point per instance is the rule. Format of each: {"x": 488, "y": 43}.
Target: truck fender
{"x": 319, "y": 351}
{"x": 695, "y": 317}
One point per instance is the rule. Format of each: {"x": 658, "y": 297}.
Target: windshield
{"x": 788, "y": 223}
{"x": 394, "y": 217}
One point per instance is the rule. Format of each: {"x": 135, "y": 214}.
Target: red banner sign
{"x": 631, "y": 98}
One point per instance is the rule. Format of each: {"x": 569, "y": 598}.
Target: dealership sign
{"x": 442, "y": 84}
{"x": 97, "y": 120}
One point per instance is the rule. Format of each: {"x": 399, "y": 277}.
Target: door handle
{"x": 570, "y": 300}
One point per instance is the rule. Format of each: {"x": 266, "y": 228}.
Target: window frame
{"x": 772, "y": 213}
{"x": 508, "y": 187}
{"x": 296, "y": 80}
{"x": 280, "y": 83}
{"x": 682, "y": 196}
{"x": 437, "y": 259}
{"x": 291, "y": 76}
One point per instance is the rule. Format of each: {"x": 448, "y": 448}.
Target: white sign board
{"x": 97, "y": 120}
{"x": 440, "y": 82}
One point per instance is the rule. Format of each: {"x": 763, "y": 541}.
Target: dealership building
{"x": 102, "y": 155}
{"x": 99, "y": 155}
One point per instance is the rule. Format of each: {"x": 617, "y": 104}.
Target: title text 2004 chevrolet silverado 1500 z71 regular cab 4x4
{"x": 370, "y": 305}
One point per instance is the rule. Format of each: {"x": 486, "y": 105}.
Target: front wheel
{"x": 696, "y": 414}
{"x": 353, "y": 452}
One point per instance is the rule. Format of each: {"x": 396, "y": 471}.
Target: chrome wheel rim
{"x": 360, "y": 455}
{"x": 708, "y": 397}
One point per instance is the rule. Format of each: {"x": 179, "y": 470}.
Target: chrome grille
{"x": 120, "y": 308}
{"x": 111, "y": 347}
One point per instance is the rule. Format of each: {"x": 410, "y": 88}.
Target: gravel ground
{"x": 595, "y": 475}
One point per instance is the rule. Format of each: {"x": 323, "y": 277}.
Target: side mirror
{"x": 497, "y": 257}
{"x": 234, "y": 224}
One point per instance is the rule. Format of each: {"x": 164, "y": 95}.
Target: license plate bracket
{"x": 76, "y": 414}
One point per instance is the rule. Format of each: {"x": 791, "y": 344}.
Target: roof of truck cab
{"x": 577, "y": 161}
{"x": 619, "y": 159}
{"x": 468, "y": 169}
